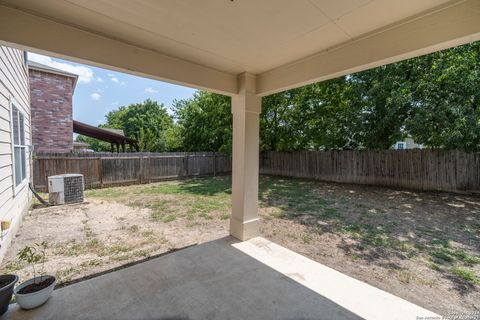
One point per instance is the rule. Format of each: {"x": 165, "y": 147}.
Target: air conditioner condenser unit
{"x": 65, "y": 188}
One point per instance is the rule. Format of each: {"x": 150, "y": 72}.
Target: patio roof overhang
{"x": 207, "y": 44}
{"x": 242, "y": 48}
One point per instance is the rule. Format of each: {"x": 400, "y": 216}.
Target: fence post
{"x": 457, "y": 172}
{"x": 214, "y": 163}
{"x": 100, "y": 171}
{"x": 185, "y": 163}
{"x": 140, "y": 174}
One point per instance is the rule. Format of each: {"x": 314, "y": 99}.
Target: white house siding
{"x": 13, "y": 89}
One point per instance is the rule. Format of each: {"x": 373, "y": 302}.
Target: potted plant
{"x": 36, "y": 291}
{"x": 7, "y": 282}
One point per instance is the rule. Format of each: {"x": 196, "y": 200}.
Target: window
{"x": 400, "y": 145}
{"x": 19, "y": 147}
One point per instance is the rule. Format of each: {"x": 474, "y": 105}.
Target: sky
{"x": 100, "y": 91}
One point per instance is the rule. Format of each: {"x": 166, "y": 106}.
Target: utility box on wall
{"x": 65, "y": 188}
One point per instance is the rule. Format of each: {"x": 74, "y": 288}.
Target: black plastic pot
{"x": 6, "y": 291}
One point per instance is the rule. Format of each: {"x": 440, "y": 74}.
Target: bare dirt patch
{"x": 421, "y": 246}
{"x": 114, "y": 227}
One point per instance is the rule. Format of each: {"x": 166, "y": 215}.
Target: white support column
{"x": 246, "y": 108}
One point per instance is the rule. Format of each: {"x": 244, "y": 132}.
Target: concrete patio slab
{"x": 356, "y": 296}
{"x": 224, "y": 279}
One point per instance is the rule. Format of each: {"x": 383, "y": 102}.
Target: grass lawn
{"x": 423, "y": 247}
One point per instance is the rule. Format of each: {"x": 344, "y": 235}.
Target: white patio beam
{"x": 246, "y": 108}
{"x": 446, "y": 27}
{"x": 41, "y": 35}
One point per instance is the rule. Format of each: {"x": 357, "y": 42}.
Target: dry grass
{"x": 424, "y": 247}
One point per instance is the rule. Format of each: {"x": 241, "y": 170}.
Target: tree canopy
{"x": 434, "y": 99}
{"x": 204, "y": 122}
{"x": 148, "y": 122}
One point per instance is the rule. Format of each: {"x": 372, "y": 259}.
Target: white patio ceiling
{"x": 206, "y": 44}
{"x": 242, "y": 48}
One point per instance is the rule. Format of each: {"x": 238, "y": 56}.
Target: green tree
{"x": 433, "y": 98}
{"x": 446, "y": 103}
{"x": 94, "y": 144}
{"x": 147, "y": 122}
{"x": 383, "y": 96}
{"x": 314, "y": 117}
{"x": 204, "y": 123}
{"x": 276, "y": 122}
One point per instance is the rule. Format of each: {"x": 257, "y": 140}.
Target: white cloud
{"x": 95, "y": 96}
{"x": 85, "y": 74}
{"x": 114, "y": 103}
{"x": 150, "y": 90}
{"x": 99, "y": 79}
{"x": 116, "y": 79}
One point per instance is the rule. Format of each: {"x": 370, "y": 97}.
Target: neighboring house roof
{"x": 117, "y": 131}
{"x": 103, "y": 134}
{"x": 79, "y": 144}
{"x": 41, "y": 67}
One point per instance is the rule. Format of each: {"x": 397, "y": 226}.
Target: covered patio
{"x": 224, "y": 279}
{"x": 245, "y": 49}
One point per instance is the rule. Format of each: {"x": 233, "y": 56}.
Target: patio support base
{"x": 244, "y": 230}
{"x": 246, "y": 108}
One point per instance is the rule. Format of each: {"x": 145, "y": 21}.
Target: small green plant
{"x": 466, "y": 274}
{"x": 404, "y": 275}
{"x": 133, "y": 229}
{"x": 169, "y": 218}
{"x": 329, "y": 213}
{"x": 307, "y": 238}
{"x": 225, "y": 216}
{"x": 33, "y": 255}
{"x": 442, "y": 254}
{"x": 434, "y": 266}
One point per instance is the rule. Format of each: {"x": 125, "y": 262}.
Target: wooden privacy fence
{"x": 106, "y": 169}
{"x": 414, "y": 169}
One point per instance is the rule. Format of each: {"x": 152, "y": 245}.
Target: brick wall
{"x": 51, "y": 107}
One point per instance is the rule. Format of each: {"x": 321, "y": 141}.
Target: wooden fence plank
{"x": 446, "y": 170}
{"x": 414, "y": 169}
{"x": 117, "y": 169}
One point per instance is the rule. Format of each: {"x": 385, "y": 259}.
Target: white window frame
{"x": 23, "y": 183}
{"x": 403, "y": 143}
